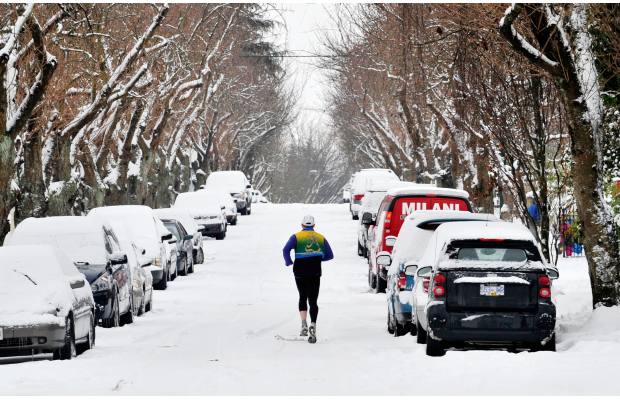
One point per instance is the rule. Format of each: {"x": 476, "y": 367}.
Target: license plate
{"x": 491, "y": 290}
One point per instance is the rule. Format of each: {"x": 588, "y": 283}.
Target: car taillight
{"x": 402, "y": 281}
{"x": 544, "y": 292}
{"x": 425, "y": 283}
{"x": 439, "y": 279}
{"x": 358, "y": 197}
{"x": 544, "y": 287}
{"x": 544, "y": 280}
{"x": 439, "y": 289}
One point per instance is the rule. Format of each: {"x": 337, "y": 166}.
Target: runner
{"x": 311, "y": 248}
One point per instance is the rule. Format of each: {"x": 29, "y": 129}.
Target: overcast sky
{"x": 301, "y": 36}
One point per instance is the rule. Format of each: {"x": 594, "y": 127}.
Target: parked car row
{"x": 61, "y": 277}
{"x": 453, "y": 277}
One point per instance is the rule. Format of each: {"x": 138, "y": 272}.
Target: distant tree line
{"x": 104, "y": 104}
{"x": 518, "y": 103}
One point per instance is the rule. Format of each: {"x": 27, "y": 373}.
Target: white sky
{"x": 304, "y": 25}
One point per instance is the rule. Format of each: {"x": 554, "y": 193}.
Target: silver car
{"x": 46, "y": 304}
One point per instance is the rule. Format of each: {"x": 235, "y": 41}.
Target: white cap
{"x": 308, "y": 220}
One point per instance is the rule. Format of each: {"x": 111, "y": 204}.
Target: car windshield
{"x": 492, "y": 254}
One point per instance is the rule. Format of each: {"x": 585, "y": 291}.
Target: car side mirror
{"x": 553, "y": 273}
{"x": 118, "y": 258}
{"x": 235, "y": 200}
{"x": 188, "y": 237}
{"x": 166, "y": 237}
{"x": 390, "y": 241}
{"x": 424, "y": 272}
{"x": 248, "y": 187}
{"x": 410, "y": 270}
{"x": 77, "y": 283}
{"x": 223, "y": 207}
{"x": 384, "y": 258}
{"x": 367, "y": 219}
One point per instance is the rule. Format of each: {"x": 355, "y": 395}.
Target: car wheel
{"x": 220, "y": 236}
{"x": 68, "y": 350}
{"x": 380, "y": 284}
{"x": 354, "y": 216}
{"x": 90, "y": 342}
{"x": 183, "y": 271}
{"x": 114, "y": 319}
{"x": 234, "y": 221}
{"x": 400, "y": 330}
{"x": 434, "y": 348}
{"x": 190, "y": 270}
{"x": 163, "y": 283}
{"x": 142, "y": 308}
{"x": 390, "y": 328}
{"x": 127, "y": 318}
{"x": 371, "y": 280}
{"x": 200, "y": 256}
{"x": 149, "y": 306}
{"x": 412, "y": 328}
{"x": 360, "y": 250}
{"x": 421, "y": 336}
{"x": 244, "y": 210}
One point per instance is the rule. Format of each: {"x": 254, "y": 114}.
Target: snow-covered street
{"x": 220, "y": 331}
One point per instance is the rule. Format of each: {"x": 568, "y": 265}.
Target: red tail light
{"x": 544, "y": 280}
{"x": 425, "y": 284}
{"x": 439, "y": 279}
{"x": 439, "y": 291}
{"x": 491, "y": 240}
{"x": 544, "y": 284}
{"x": 402, "y": 281}
{"x": 358, "y": 197}
{"x": 438, "y": 285}
{"x": 544, "y": 292}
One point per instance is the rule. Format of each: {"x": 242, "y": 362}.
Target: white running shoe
{"x": 312, "y": 332}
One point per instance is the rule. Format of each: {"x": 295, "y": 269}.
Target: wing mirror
{"x": 77, "y": 283}
{"x": 367, "y": 219}
{"x": 223, "y": 207}
{"x": 118, "y": 258}
{"x": 390, "y": 241}
{"x": 248, "y": 186}
{"x": 166, "y": 237}
{"x": 188, "y": 237}
{"x": 410, "y": 270}
{"x": 553, "y": 273}
{"x": 424, "y": 272}
{"x": 384, "y": 259}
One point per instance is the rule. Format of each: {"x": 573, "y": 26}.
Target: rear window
{"x": 491, "y": 254}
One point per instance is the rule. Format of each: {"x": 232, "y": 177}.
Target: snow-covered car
{"x": 257, "y": 197}
{"x": 146, "y": 231}
{"x": 140, "y": 270}
{"x": 489, "y": 285}
{"x": 399, "y": 202}
{"x": 411, "y": 243}
{"x": 189, "y": 224}
{"x": 183, "y": 243}
{"x": 46, "y": 304}
{"x": 363, "y": 179}
{"x": 206, "y": 211}
{"x": 226, "y": 200}
{"x": 94, "y": 249}
{"x": 170, "y": 248}
{"x": 235, "y": 183}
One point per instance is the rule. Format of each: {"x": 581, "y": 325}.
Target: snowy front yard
{"x": 220, "y": 331}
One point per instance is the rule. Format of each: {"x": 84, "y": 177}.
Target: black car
{"x": 493, "y": 291}
{"x": 185, "y": 246}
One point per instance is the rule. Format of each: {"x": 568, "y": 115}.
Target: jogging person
{"x": 311, "y": 248}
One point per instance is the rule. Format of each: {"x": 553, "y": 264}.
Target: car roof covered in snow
{"x": 180, "y": 214}
{"x": 81, "y": 238}
{"x": 422, "y": 189}
{"x": 442, "y": 215}
{"x": 474, "y": 230}
{"x": 122, "y": 210}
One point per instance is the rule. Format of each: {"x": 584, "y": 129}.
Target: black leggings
{"x": 308, "y": 287}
